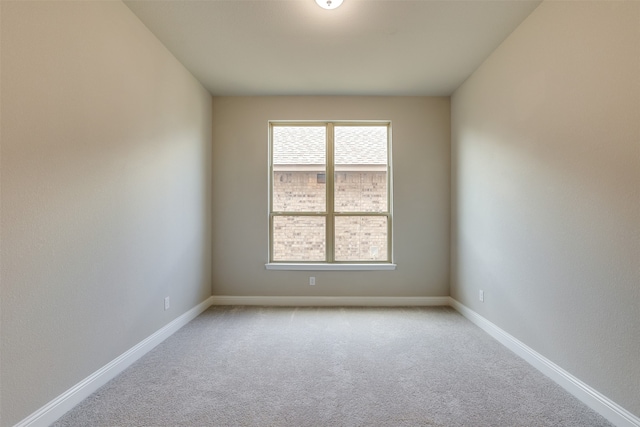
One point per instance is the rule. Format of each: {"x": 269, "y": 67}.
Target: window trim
{"x": 329, "y": 214}
{"x": 324, "y": 266}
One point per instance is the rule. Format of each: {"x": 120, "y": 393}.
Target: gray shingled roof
{"x": 354, "y": 145}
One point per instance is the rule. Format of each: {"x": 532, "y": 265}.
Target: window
{"x": 330, "y": 193}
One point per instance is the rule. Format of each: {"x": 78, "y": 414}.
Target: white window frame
{"x": 330, "y": 214}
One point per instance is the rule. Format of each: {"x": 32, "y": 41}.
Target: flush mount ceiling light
{"x": 329, "y": 4}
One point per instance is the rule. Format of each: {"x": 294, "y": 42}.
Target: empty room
{"x": 319, "y": 213}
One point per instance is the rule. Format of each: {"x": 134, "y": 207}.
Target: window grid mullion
{"x": 330, "y": 230}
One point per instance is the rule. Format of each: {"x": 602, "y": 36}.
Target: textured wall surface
{"x": 420, "y": 152}
{"x": 546, "y": 191}
{"x": 106, "y": 206}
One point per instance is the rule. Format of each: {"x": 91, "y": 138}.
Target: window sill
{"x": 332, "y": 267}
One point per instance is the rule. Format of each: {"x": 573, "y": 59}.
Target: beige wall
{"x": 106, "y": 206}
{"x": 421, "y": 188}
{"x": 546, "y": 191}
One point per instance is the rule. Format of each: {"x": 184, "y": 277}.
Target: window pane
{"x": 361, "y": 238}
{"x": 299, "y": 238}
{"x": 299, "y": 169}
{"x": 360, "y": 169}
{"x": 360, "y": 191}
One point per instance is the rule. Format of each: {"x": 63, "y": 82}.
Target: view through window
{"x": 330, "y": 193}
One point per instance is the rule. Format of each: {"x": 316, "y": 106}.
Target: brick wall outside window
{"x": 357, "y": 237}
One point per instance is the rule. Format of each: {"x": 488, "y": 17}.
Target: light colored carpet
{"x": 260, "y": 366}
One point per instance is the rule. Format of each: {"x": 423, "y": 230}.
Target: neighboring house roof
{"x": 305, "y": 145}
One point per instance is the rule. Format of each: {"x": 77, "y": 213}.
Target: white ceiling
{"x": 365, "y": 47}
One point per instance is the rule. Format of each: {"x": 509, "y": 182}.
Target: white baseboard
{"x": 592, "y": 398}
{"x": 329, "y": 301}
{"x": 53, "y": 410}
{"x": 588, "y": 395}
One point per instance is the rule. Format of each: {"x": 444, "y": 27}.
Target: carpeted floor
{"x": 259, "y": 366}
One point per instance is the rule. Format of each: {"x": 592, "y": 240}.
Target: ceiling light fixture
{"x": 329, "y": 4}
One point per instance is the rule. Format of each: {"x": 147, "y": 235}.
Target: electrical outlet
{"x": 481, "y": 296}
{"x": 312, "y": 281}
{"x": 166, "y": 303}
